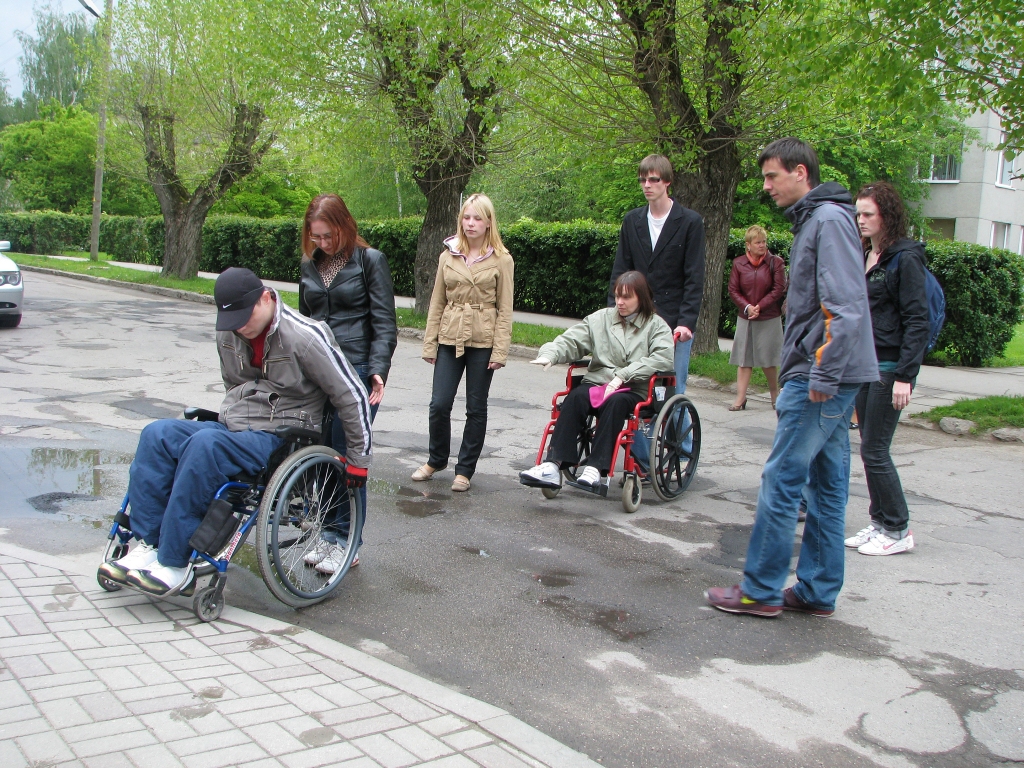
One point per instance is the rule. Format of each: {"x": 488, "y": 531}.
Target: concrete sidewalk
{"x": 92, "y": 678}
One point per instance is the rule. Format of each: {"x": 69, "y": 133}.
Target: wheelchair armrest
{"x": 201, "y": 414}
{"x": 298, "y": 435}
{"x": 584, "y": 363}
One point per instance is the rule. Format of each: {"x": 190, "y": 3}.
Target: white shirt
{"x": 655, "y": 226}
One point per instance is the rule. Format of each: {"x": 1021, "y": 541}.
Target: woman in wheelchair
{"x": 627, "y": 344}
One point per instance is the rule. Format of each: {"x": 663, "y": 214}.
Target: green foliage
{"x": 44, "y": 232}
{"x": 987, "y": 412}
{"x": 50, "y": 161}
{"x": 1013, "y": 355}
{"x": 396, "y": 238}
{"x": 716, "y": 366}
{"x": 984, "y": 290}
{"x": 267, "y": 194}
{"x": 57, "y": 61}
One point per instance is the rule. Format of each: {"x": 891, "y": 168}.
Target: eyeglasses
{"x": 322, "y": 238}
{"x": 650, "y": 179}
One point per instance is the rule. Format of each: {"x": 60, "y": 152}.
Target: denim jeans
{"x": 178, "y": 467}
{"x": 448, "y": 370}
{"x": 336, "y": 526}
{"x": 812, "y": 449}
{"x": 878, "y": 421}
{"x": 641, "y": 448}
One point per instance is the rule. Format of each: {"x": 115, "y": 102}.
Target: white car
{"x": 12, "y": 291}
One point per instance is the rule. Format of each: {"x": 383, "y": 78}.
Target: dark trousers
{"x": 178, "y": 467}
{"x": 336, "y": 524}
{"x": 448, "y": 370}
{"x": 878, "y": 421}
{"x": 572, "y": 420}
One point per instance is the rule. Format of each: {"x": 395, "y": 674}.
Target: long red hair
{"x": 331, "y": 210}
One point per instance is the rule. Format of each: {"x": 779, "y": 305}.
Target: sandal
{"x": 460, "y": 484}
{"x": 423, "y": 473}
{"x": 741, "y": 407}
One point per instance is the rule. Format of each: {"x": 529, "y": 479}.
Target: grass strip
{"x": 717, "y": 366}
{"x": 987, "y": 412}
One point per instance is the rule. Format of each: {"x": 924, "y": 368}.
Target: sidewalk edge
{"x": 159, "y": 290}
{"x": 500, "y": 723}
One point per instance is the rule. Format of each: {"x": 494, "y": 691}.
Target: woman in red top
{"x": 757, "y": 287}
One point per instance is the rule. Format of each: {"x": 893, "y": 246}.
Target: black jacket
{"x": 675, "y": 269}
{"x": 359, "y": 306}
{"x": 899, "y": 308}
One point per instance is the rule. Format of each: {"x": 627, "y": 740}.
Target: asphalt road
{"x": 583, "y": 621}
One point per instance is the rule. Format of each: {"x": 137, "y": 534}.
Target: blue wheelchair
{"x": 291, "y": 502}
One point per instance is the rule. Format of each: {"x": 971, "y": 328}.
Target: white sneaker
{"x": 881, "y": 544}
{"x": 159, "y": 579}
{"x": 142, "y": 556}
{"x": 335, "y": 559}
{"x": 862, "y": 537}
{"x": 317, "y": 553}
{"x": 546, "y": 475}
{"x": 589, "y": 476}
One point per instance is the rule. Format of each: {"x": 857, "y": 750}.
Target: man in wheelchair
{"x": 628, "y": 343}
{"x": 279, "y": 369}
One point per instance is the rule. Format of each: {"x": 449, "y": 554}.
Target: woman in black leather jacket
{"x": 348, "y": 285}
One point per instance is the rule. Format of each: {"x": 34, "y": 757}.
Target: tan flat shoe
{"x": 461, "y": 483}
{"x": 423, "y": 473}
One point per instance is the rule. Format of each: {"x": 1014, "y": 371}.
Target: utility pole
{"x": 101, "y": 134}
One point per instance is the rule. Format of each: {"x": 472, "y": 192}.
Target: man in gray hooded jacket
{"x": 828, "y": 352}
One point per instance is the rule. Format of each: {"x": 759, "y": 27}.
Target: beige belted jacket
{"x": 471, "y": 306}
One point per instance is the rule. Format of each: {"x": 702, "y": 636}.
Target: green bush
{"x": 45, "y": 232}
{"x": 984, "y": 288}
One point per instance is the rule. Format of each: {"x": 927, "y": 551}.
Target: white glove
{"x": 541, "y": 361}
{"x": 612, "y": 386}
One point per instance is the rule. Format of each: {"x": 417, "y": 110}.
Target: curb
{"x": 494, "y": 720}
{"x": 159, "y": 290}
{"x": 514, "y": 350}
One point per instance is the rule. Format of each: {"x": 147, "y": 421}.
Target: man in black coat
{"x": 664, "y": 241}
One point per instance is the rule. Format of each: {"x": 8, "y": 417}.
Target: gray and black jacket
{"x": 302, "y": 368}
{"x": 828, "y": 322}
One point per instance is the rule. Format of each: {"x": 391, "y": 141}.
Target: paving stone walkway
{"x": 91, "y": 678}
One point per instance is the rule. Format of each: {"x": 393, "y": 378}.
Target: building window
{"x": 1000, "y": 235}
{"x": 945, "y": 168}
{"x": 942, "y": 229}
{"x": 1020, "y": 242}
{"x": 1004, "y": 177}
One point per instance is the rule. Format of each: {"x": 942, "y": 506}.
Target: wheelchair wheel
{"x": 632, "y": 493}
{"x": 672, "y": 464}
{"x": 550, "y": 493}
{"x": 207, "y": 604}
{"x": 306, "y": 494}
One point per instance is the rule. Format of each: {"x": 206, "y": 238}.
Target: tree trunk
{"x": 710, "y": 192}
{"x": 439, "y": 222}
{"x": 183, "y": 242}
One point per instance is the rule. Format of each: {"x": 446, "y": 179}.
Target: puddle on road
{"x": 476, "y": 551}
{"x": 555, "y": 578}
{"x": 48, "y": 477}
{"x": 624, "y": 625}
{"x": 424, "y": 508}
{"x": 413, "y": 502}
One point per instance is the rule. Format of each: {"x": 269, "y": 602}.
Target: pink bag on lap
{"x": 597, "y": 395}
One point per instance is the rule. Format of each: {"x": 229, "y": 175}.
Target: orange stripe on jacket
{"x": 828, "y": 335}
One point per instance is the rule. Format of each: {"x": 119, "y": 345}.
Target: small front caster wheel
{"x": 631, "y": 494}
{"x": 207, "y": 605}
{"x": 550, "y": 493}
{"x": 107, "y": 584}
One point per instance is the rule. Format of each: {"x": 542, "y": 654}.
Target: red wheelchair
{"x": 669, "y": 420}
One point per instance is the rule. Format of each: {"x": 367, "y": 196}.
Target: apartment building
{"x": 977, "y": 198}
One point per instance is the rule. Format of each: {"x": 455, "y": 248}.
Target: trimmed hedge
{"x": 561, "y": 268}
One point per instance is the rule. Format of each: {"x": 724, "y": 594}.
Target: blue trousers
{"x": 812, "y": 448}
{"x": 178, "y": 467}
{"x": 641, "y": 448}
{"x": 336, "y": 528}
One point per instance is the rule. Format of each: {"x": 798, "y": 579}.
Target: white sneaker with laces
{"x": 546, "y": 475}
{"x": 862, "y": 537}
{"x": 317, "y": 553}
{"x": 141, "y": 556}
{"x": 159, "y": 579}
{"x": 881, "y": 544}
{"x": 335, "y": 559}
{"x": 589, "y": 476}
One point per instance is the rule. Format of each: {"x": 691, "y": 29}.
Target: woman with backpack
{"x": 898, "y": 295}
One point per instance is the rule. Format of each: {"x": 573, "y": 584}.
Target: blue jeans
{"x": 178, "y": 467}
{"x": 336, "y": 528}
{"x": 812, "y": 448}
{"x": 641, "y": 448}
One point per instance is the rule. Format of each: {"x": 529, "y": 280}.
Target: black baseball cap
{"x": 236, "y": 292}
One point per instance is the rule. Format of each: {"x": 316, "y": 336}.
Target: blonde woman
{"x": 469, "y": 330}
{"x": 757, "y": 286}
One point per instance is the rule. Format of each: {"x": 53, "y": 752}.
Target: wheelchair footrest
{"x": 601, "y": 490}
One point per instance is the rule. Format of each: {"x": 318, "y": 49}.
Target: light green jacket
{"x": 633, "y": 352}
